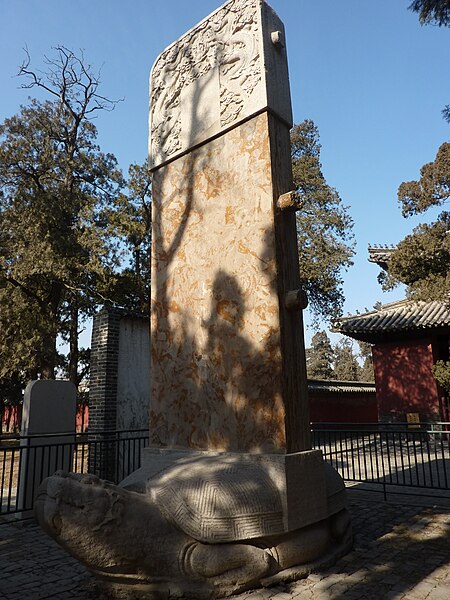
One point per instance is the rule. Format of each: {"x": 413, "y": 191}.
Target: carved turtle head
{"x": 105, "y": 527}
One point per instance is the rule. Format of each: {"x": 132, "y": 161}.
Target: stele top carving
{"x": 208, "y": 80}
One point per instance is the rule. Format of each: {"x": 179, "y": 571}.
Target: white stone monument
{"x": 49, "y": 408}
{"x": 230, "y": 495}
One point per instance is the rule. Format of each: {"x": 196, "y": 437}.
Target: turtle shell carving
{"x": 219, "y": 502}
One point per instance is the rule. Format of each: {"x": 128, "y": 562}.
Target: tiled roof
{"x": 380, "y": 255}
{"x": 405, "y": 315}
{"x": 322, "y": 385}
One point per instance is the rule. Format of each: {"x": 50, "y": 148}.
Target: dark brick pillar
{"x": 103, "y": 393}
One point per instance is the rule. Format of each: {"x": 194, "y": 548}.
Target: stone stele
{"x": 230, "y": 494}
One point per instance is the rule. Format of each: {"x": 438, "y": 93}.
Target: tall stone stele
{"x": 230, "y": 495}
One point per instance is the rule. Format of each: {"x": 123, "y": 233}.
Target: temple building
{"x": 407, "y": 338}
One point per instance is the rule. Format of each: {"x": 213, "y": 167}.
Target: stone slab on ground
{"x": 401, "y": 552}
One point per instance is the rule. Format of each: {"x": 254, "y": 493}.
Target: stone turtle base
{"x": 105, "y": 590}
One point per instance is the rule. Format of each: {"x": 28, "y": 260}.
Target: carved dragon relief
{"x": 227, "y": 41}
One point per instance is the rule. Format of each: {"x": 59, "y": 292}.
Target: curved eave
{"x": 399, "y": 320}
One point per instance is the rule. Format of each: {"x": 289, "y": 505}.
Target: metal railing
{"x": 25, "y": 461}
{"x": 382, "y": 425}
{"x": 366, "y": 453}
{"x": 393, "y": 456}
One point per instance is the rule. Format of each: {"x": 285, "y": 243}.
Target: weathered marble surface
{"x": 218, "y": 485}
{"x": 216, "y": 360}
{"x": 228, "y": 368}
{"x": 128, "y": 539}
{"x": 227, "y": 68}
{"x": 133, "y": 374}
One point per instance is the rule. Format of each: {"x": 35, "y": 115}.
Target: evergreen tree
{"x": 422, "y": 259}
{"x": 55, "y": 183}
{"x": 441, "y": 372}
{"x": 434, "y": 12}
{"x": 324, "y": 227}
{"x": 320, "y": 357}
{"x": 131, "y": 220}
{"x": 366, "y": 372}
{"x": 345, "y": 363}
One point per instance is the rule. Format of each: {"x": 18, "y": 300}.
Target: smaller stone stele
{"x": 49, "y": 407}
{"x": 198, "y": 525}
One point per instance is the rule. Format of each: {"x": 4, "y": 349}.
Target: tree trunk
{"x": 48, "y": 361}
{"x": 139, "y": 282}
{"x": 73, "y": 343}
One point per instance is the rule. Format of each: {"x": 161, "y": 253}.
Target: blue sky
{"x": 365, "y": 71}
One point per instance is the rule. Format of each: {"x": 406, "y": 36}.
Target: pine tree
{"x": 324, "y": 227}
{"x": 130, "y": 220}
{"x": 55, "y": 184}
{"x": 422, "y": 259}
{"x": 320, "y": 357}
{"x": 345, "y": 363}
{"x": 365, "y": 353}
{"x": 434, "y": 12}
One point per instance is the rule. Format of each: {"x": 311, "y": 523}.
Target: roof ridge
{"x": 389, "y": 306}
{"x": 400, "y": 315}
{"x": 381, "y": 247}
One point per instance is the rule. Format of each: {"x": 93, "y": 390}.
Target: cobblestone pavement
{"x": 402, "y": 551}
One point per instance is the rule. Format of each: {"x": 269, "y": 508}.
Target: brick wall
{"x": 103, "y": 392}
{"x": 103, "y": 379}
{"x": 119, "y": 386}
{"x": 342, "y": 407}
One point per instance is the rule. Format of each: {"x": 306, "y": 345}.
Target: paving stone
{"x": 439, "y": 593}
{"x": 259, "y": 595}
{"x": 303, "y": 595}
{"x": 389, "y": 561}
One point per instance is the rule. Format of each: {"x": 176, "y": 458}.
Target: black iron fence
{"x": 25, "y": 461}
{"x": 393, "y": 457}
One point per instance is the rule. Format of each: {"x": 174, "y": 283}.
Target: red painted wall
{"x": 82, "y": 418}
{"x": 404, "y": 381}
{"x": 11, "y": 419}
{"x": 342, "y": 407}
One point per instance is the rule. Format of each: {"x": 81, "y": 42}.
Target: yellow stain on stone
{"x": 229, "y": 215}
{"x": 216, "y": 357}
